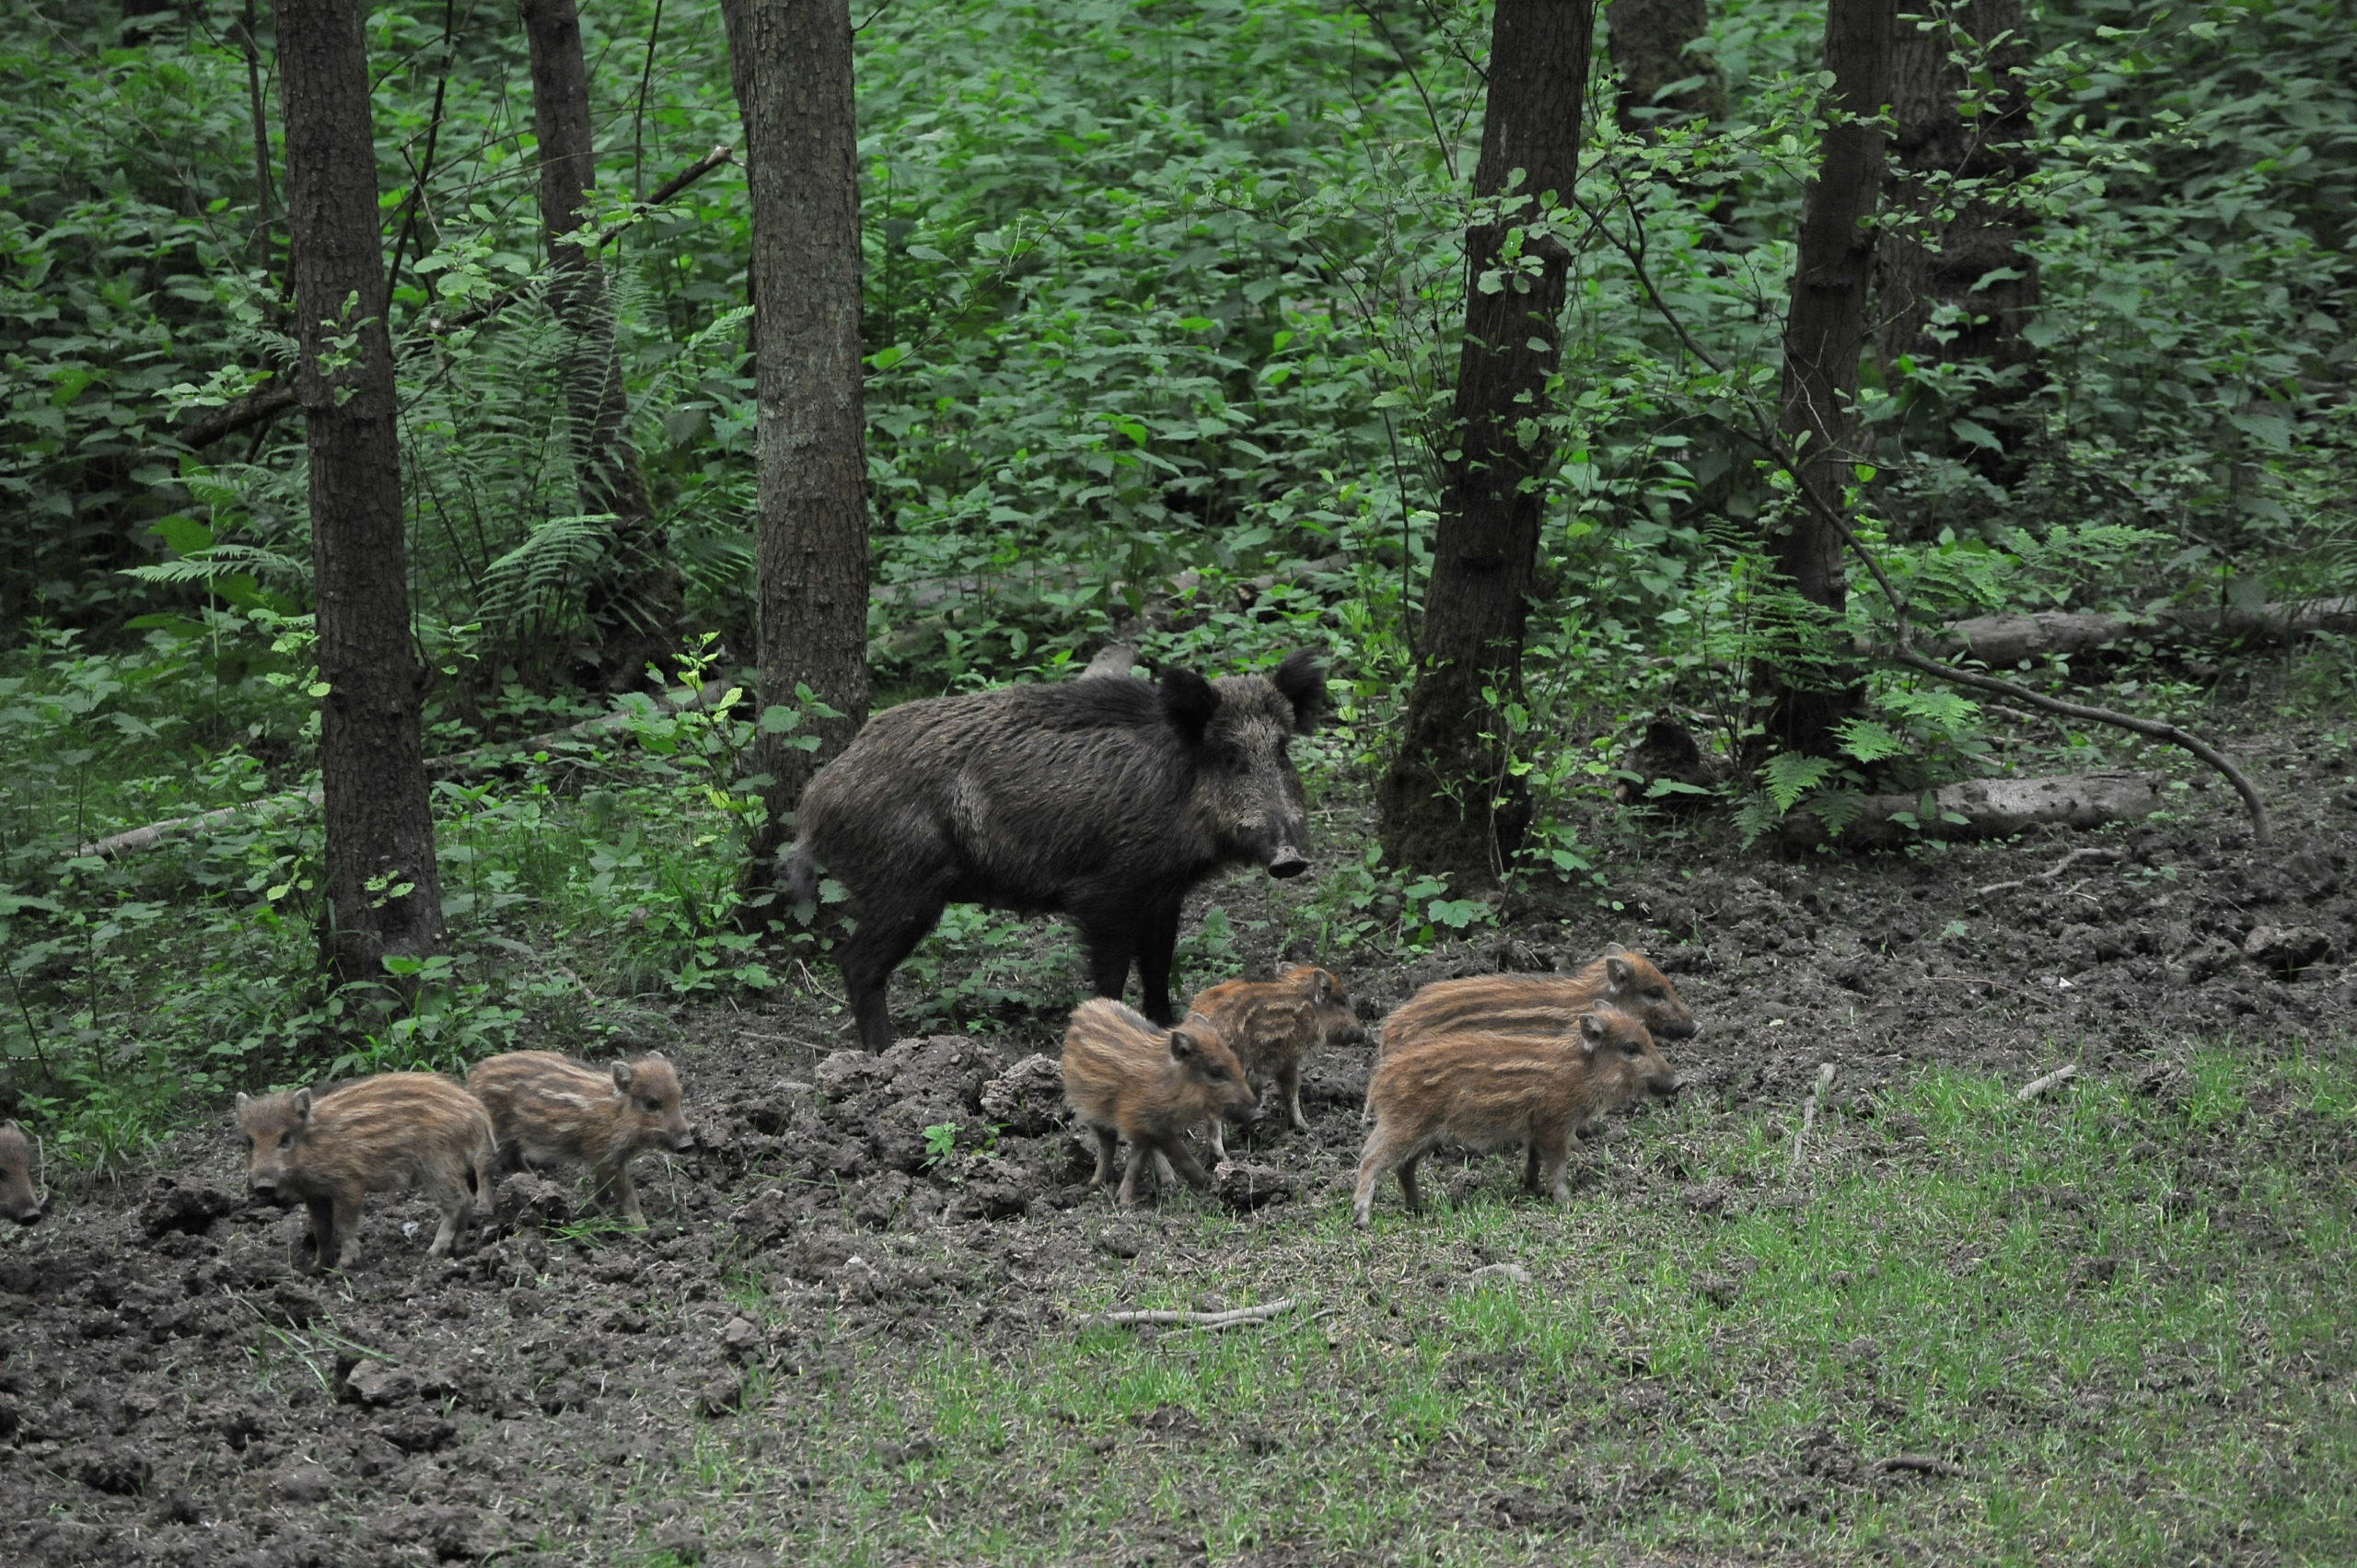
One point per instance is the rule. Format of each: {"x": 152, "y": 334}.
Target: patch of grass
{"x": 2103, "y": 1329}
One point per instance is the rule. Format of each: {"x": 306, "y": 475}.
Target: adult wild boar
{"x": 1105, "y": 798}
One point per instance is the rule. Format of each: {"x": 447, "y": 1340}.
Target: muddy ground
{"x": 173, "y": 1391}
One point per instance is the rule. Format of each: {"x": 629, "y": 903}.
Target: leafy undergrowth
{"x": 1957, "y": 1329}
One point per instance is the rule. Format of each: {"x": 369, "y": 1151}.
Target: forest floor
{"x": 2109, "y": 1325}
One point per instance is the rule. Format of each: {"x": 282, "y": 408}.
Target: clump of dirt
{"x": 173, "y": 1390}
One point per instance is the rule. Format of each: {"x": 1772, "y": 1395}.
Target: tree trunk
{"x": 1824, "y": 334}
{"x": 811, "y": 523}
{"x": 1448, "y": 801}
{"x": 1649, "y": 40}
{"x": 637, "y": 600}
{"x": 1973, "y": 261}
{"x": 383, "y": 896}
{"x": 137, "y": 25}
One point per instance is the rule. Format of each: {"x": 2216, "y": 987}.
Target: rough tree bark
{"x": 1649, "y": 39}
{"x": 1974, "y": 260}
{"x": 1448, "y": 802}
{"x": 811, "y": 523}
{"x": 1825, "y": 333}
{"x": 637, "y": 600}
{"x": 383, "y": 896}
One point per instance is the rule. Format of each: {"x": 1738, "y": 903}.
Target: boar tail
{"x": 801, "y": 875}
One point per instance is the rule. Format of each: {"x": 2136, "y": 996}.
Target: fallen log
{"x": 1983, "y": 809}
{"x": 2009, "y": 639}
{"x": 457, "y": 764}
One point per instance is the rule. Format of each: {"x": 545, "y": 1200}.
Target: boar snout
{"x": 1287, "y": 861}
{"x": 30, "y": 1214}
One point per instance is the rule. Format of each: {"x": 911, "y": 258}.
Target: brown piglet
{"x": 1130, "y": 1079}
{"x": 1271, "y": 1025}
{"x": 548, "y": 1109}
{"x": 380, "y": 1135}
{"x": 18, "y": 1198}
{"x": 1486, "y": 1091}
{"x": 1543, "y": 1003}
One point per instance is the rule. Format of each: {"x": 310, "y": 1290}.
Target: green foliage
{"x": 1163, "y": 305}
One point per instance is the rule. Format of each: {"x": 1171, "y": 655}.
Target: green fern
{"x": 1788, "y": 776}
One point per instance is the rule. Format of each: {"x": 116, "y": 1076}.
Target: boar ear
{"x": 1619, "y": 972}
{"x": 1592, "y": 1032}
{"x": 1189, "y": 701}
{"x": 1303, "y": 682}
{"x": 624, "y": 1074}
{"x": 302, "y": 1103}
{"x": 10, "y": 1126}
{"x": 1183, "y": 1045}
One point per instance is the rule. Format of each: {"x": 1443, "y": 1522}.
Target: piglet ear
{"x": 1302, "y": 680}
{"x": 302, "y": 1104}
{"x": 1611, "y": 947}
{"x": 10, "y": 1126}
{"x": 1592, "y": 1032}
{"x": 1183, "y": 1045}
{"x": 1189, "y": 701}
{"x": 624, "y": 1074}
{"x": 1619, "y": 972}
{"x": 241, "y": 1103}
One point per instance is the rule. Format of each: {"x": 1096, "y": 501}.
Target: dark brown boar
{"x": 1106, "y": 798}
{"x": 1543, "y": 1003}
{"x": 1272, "y": 1025}
{"x": 20, "y": 1200}
{"x": 1131, "y": 1078}
{"x": 546, "y": 1109}
{"x": 379, "y": 1134}
{"x": 1486, "y": 1090}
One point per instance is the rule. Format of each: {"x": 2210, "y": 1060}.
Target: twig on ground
{"x": 2037, "y": 1088}
{"x": 2049, "y": 874}
{"x": 1229, "y": 1319}
{"x": 1922, "y": 1464}
{"x": 1808, "y": 1112}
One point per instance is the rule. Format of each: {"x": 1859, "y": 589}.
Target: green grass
{"x": 2123, "y": 1322}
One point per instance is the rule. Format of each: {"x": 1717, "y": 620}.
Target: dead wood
{"x": 458, "y": 764}
{"x": 1808, "y": 1112}
{"x": 2051, "y": 872}
{"x": 1233, "y": 1318}
{"x": 2001, "y": 640}
{"x": 2037, "y": 1087}
{"x": 1920, "y": 1464}
{"x": 1988, "y": 808}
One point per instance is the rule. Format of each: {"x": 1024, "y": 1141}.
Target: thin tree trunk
{"x": 811, "y": 528}
{"x": 1824, "y": 333}
{"x": 636, "y": 601}
{"x": 1449, "y": 802}
{"x": 1974, "y": 261}
{"x": 383, "y": 896}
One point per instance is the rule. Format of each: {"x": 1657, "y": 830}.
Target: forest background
{"x": 1161, "y": 315}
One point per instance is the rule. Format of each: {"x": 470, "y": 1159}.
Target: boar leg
{"x": 1378, "y": 1157}
{"x": 616, "y": 1181}
{"x": 1190, "y": 1169}
{"x": 1111, "y": 945}
{"x": 1289, "y": 1089}
{"x": 454, "y": 1215}
{"x": 1141, "y": 1158}
{"x": 1158, "y": 945}
{"x": 869, "y": 955}
{"x": 1408, "y": 1182}
{"x": 341, "y": 1247}
{"x": 322, "y": 1232}
{"x": 1108, "y": 1144}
